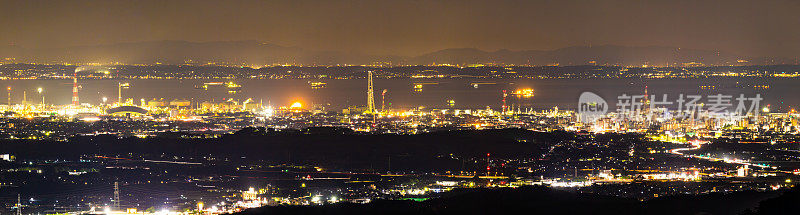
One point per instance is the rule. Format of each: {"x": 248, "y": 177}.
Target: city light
{"x": 296, "y": 105}
{"x": 484, "y": 107}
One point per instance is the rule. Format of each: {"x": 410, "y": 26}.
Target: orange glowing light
{"x": 524, "y": 92}
{"x": 296, "y": 105}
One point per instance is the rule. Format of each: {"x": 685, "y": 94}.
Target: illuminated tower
{"x": 370, "y": 96}
{"x": 646, "y": 105}
{"x": 383, "y": 100}
{"x": 504, "y": 101}
{"x": 119, "y": 93}
{"x": 121, "y": 86}
{"x": 75, "y": 88}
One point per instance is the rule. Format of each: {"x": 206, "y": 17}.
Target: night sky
{"x": 756, "y": 28}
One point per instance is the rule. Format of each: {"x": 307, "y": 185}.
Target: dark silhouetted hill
{"x": 257, "y": 53}
{"x": 538, "y": 200}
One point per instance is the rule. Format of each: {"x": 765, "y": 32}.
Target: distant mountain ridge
{"x": 257, "y": 53}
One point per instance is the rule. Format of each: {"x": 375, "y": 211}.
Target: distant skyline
{"x": 411, "y": 28}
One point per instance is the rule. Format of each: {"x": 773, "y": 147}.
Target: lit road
{"x": 679, "y": 151}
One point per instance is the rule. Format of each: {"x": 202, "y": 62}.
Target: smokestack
{"x": 75, "y": 88}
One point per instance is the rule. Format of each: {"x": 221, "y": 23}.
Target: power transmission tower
{"x": 116, "y": 196}
{"x": 19, "y": 205}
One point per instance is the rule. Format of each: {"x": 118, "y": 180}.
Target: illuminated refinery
{"x": 581, "y": 160}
